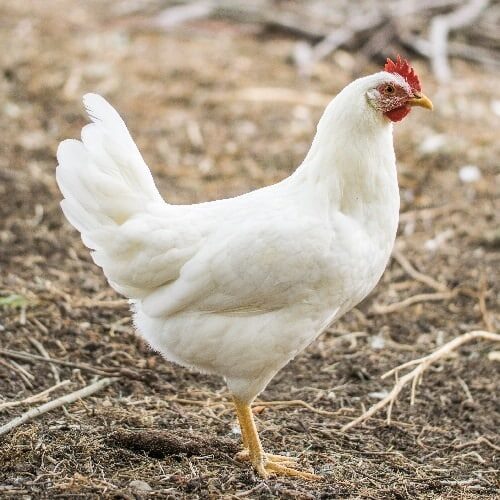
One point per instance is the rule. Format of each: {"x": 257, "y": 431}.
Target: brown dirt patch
{"x": 172, "y": 428}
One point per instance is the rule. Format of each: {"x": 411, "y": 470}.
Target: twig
{"x": 474, "y": 454}
{"x": 337, "y": 38}
{"x": 417, "y": 275}
{"x": 481, "y": 55}
{"x": 479, "y": 440}
{"x": 483, "y": 290}
{"x": 143, "y": 375}
{"x": 45, "y": 354}
{"x": 256, "y": 489}
{"x": 449, "y": 346}
{"x": 56, "y": 403}
{"x": 439, "y": 31}
{"x": 256, "y": 12}
{"x": 466, "y": 389}
{"x": 415, "y": 375}
{"x": 381, "y": 23}
{"x": 102, "y": 304}
{"x": 414, "y": 299}
{"x": 429, "y": 212}
{"x": 30, "y": 357}
{"x": 87, "y": 302}
{"x": 36, "y": 397}
{"x": 179, "y": 14}
{"x": 295, "y": 402}
{"x": 26, "y": 376}
{"x": 23, "y": 371}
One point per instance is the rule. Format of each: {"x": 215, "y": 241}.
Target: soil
{"x": 161, "y": 431}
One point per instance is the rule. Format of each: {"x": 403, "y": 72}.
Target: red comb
{"x": 403, "y": 68}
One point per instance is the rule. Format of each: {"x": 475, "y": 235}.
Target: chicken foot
{"x": 264, "y": 463}
{"x": 244, "y": 455}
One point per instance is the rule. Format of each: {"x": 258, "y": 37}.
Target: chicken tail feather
{"x": 103, "y": 178}
{"x": 105, "y": 183}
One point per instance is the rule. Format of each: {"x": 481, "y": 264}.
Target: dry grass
{"x": 172, "y": 428}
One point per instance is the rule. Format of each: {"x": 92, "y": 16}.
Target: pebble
{"x": 377, "y": 342}
{"x": 140, "y": 485}
{"x": 469, "y": 173}
{"x": 378, "y": 394}
{"x": 495, "y": 106}
{"x": 432, "y": 144}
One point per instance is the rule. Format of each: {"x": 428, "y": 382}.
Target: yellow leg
{"x": 245, "y": 453}
{"x": 264, "y": 463}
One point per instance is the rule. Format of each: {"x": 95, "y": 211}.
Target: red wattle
{"x": 397, "y": 114}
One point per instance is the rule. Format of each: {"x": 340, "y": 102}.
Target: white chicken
{"x": 237, "y": 287}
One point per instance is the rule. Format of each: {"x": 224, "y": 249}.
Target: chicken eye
{"x": 389, "y": 89}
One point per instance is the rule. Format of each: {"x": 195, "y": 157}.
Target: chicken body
{"x": 238, "y": 287}
{"x": 272, "y": 270}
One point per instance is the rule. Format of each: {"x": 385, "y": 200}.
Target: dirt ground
{"x": 186, "y": 98}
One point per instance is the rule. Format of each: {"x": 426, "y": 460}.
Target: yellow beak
{"x": 421, "y": 100}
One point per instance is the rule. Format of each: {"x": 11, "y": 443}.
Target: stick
{"x": 417, "y": 275}
{"x": 415, "y": 375}
{"x": 180, "y": 14}
{"x": 295, "y": 402}
{"x": 25, "y": 376}
{"x": 439, "y": 31}
{"x": 242, "y": 11}
{"x": 482, "y": 55}
{"x": 30, "y": 357}
{"x": 421, "y": 297}
{"x": 482, "y": 303}
{"x": 36, "y": 397}
{"x": 102, "y": 304}
{"x": 142, "y": 375}
{"x": 56, "y": 403}
{"x": 479, "y": 440}
{"x": 45, "y": 354}
{"x": 428, "y": 213}
{"x": 336, "y": 38}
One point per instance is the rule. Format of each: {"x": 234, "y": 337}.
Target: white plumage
{"x": 238, "y": 287}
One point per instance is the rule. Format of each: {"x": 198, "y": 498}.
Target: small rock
{"x": 12, "y": 110}
{"x": 302, "y": 55}
{"x": 344, "y": 59}
{"x": 378, "y": 394}
{"x": 140, "y": 485}
{"x": 33, "y": 140}
{"x": 469, "y": 173}
{"x": 491, "y": 238}
{"x": 377, "y": 342}
{"x": 494, "y": 356}
{"x": 495, "y": 106}
{"x": 433, "y": 244}
{"x": 432, "y": 144}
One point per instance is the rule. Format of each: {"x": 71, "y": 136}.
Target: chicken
{"x": 237, "y": 287}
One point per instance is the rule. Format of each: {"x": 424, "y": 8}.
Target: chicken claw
{"x": 264, "y": 463}
{"x": 244, "y": 456}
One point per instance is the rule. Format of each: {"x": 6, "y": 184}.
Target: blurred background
{"x": 223, "y": 97}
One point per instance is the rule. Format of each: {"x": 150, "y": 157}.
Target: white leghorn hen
{"x": 238, "y": 287}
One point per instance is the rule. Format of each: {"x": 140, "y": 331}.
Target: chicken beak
{"x": 421, "y": 100}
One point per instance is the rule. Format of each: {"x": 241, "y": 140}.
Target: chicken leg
{"x": 264, "y": 463}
